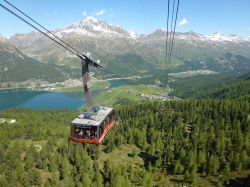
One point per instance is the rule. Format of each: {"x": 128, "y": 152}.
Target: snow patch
{"x": 96, "y": 28}
{"x": 133, "y": 34}
{"x": 162, "y": 29}
{"x": 90, "y": 19}
{"x": 216, "y": 37}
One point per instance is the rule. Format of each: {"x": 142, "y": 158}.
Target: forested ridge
{"x": 184, "y": 141}
{"x": 221, "y": 86}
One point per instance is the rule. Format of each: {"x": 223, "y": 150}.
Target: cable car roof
{"x": 92, "y": 119}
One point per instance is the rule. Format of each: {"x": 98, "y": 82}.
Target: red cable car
{"x": 93, "y": 125}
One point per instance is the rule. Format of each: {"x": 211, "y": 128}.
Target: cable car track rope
{"x": 170, "y": 36}
{"x": 30, "y": 24}
{"x": 41, "y": 26}
{"x": 166, "y": 54}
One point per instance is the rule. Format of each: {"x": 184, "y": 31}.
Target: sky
{"x": 142, "y": 16}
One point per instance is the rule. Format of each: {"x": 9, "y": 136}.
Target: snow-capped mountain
{"x": 95, "y": 28}
{"x": 89, "y": 34}
{"x": 92, "y": 27}
{"x": 216, "y": 37}
{"x": 117, "y": 47}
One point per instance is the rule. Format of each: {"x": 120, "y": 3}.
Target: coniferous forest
{"x": 172, "y": 143}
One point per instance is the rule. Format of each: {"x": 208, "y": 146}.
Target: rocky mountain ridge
{"x": 135, "y": 53}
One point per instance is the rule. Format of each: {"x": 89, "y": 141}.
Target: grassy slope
{"x": 121, "y": 156}
{"x": 110, "y": 97}
{"x": 124, "y": 93}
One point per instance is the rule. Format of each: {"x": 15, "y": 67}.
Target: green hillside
{"x": 17, "y": 67}
{"x": 198, "y": 143}
{"x": 220, "y": 86}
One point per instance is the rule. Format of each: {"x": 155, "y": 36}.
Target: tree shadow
{"x": 147, "y": 158}
{"x": 238, "y": 182}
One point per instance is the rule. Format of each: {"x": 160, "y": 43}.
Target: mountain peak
{"x": 162, "y": 29}
{"x": 90, "y": 19}
{"x": 158, "y": 33}
{"x": 91, "y": 26}
{"x": 87, "y": 21}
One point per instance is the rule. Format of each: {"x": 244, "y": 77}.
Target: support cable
{"x": 169, "y": 49}
{"x": 41, "y": 26}
{"x": 30, "y": 24}
{"x": 166, "y": 54}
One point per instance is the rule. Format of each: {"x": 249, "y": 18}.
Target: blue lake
{"x": 25, "y": 98}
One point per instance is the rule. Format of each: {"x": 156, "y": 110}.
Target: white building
{"x": 12, "y": 121}
{"x": 2, "y": 120}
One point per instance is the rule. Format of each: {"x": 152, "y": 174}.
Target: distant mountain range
{"x": 131, "y": 53}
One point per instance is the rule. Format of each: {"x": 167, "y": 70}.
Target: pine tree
{"x": 202, "y": 160}
{"x": 164, "y": 182}
{"x": 213, "y": 165}
{"x": 86, "y": 181}
{"x": 150, "y": 167}
{"x": 107, "y": 169}
{"x": 178, "y": 167}
{"x": 97, "y": 180}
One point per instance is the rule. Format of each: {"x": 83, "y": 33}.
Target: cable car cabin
{"x": 92, "y": 127}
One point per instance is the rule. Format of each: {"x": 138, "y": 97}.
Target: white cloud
{"x": 84, "y": 13}
{"x": 101, "y": 12}
{"x": 184, "y": 21}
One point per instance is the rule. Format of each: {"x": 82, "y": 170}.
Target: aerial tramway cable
{"x": 173, "y": 34}
{"x": 166, "y": 54}
{"x": 41, "y": 26}
{"x": 170, "y": 41}
{"x": 168, "y": 44}
{"x": 30, "y": 24}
